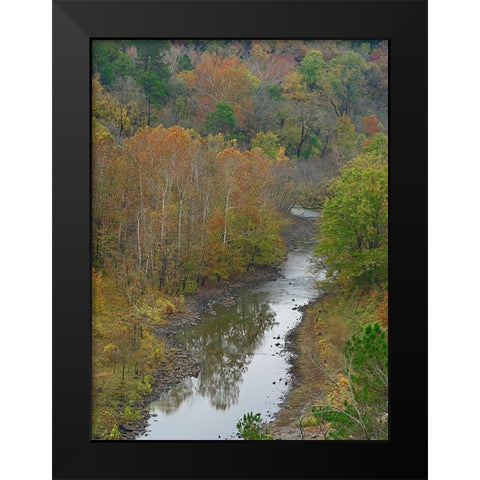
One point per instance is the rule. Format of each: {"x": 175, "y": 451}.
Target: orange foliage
{"x": 371, "y": 125}
{"x": 217, "y": 79}
{"x": 268, "y": 67}
{"x": 319, "y": 328}
{"x": 382, "y": 312}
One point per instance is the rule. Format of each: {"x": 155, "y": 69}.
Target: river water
{"x": 244, "y": 364}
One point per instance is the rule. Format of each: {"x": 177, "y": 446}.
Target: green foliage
{"x": 152, "y": 74}
{"x": 368, "y": 356}
{"x": 357, "y": 406}
{"x": 222, "y": 119}
{"x": 345, "y": 81}
{"x": 116, "y": 402}
{"x": 251, "y": 428}
{"x": 130, "y": 414}
{"x": 312, "y": 67}
{"x": 153, "y": 84}
{"x": 114, "y": 433}
{"x": 354, "y": 226}
{"x": 110, "y": 62}
{"x": 311, "y": 147}
{"x": 346, "y": 139}
{"x": 309, "y": 421}
{"x": 269, "y": 142}
{"x": 378, "y": 147}
{"x": 184, "y": 63}
{"x": 236, "y": 137}
{"x": 274, "y": 92}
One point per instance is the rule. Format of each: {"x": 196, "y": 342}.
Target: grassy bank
{"x": 320, "y": 362}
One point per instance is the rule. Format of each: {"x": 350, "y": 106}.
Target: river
{"x": 244, "y": 363}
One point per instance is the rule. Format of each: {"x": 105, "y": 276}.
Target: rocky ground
{"x": 180, "y": 363}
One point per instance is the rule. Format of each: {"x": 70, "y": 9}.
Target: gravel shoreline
{"x": 180, "y": 363}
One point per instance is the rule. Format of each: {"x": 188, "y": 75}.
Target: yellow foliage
{"x": 109, "y": 347}
{"x": 309, "y": 421}
{"x": 169, "y": 307}
{"x": 296, "y": 89}
{"x": 339, "y": 394}
{"x": 98, "y": 300}
{"x": 280, "y": 157}
{"x": 323, "y": 348}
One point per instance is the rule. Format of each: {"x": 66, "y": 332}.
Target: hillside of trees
{"x": 199, "y": 151}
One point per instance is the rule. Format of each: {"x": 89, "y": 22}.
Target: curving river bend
{"x": 244, "y": 364}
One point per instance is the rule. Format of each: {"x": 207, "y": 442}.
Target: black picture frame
{"x": 404, "y": 24}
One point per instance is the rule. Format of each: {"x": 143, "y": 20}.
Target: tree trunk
{"x": 226, "y": 218}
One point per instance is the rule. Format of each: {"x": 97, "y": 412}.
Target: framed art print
{"x": 240, "y": 239}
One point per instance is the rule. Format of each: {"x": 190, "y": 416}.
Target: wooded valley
{"x": 200, "y": 149}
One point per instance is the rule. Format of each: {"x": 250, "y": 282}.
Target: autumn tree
{"x": 106, "y": 157}
{"x": 269, "y": 68}
{"x": 260, "y": 242}
{"x": 160, "y": 157}
{"x": 119, "y": 110}
{"x": 371, "y": 125}
{"x": 177, "y": 207}
{"x": 217, "y": 79}
{"x": 244, "y": 230}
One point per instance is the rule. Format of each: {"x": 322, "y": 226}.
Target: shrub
{"x": 250, "y": 428}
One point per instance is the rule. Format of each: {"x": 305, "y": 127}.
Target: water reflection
{"x": 224, "y": 344}
{"x": 170, "y": 402}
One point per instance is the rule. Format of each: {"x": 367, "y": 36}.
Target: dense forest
{"x": 199, "y": 151}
